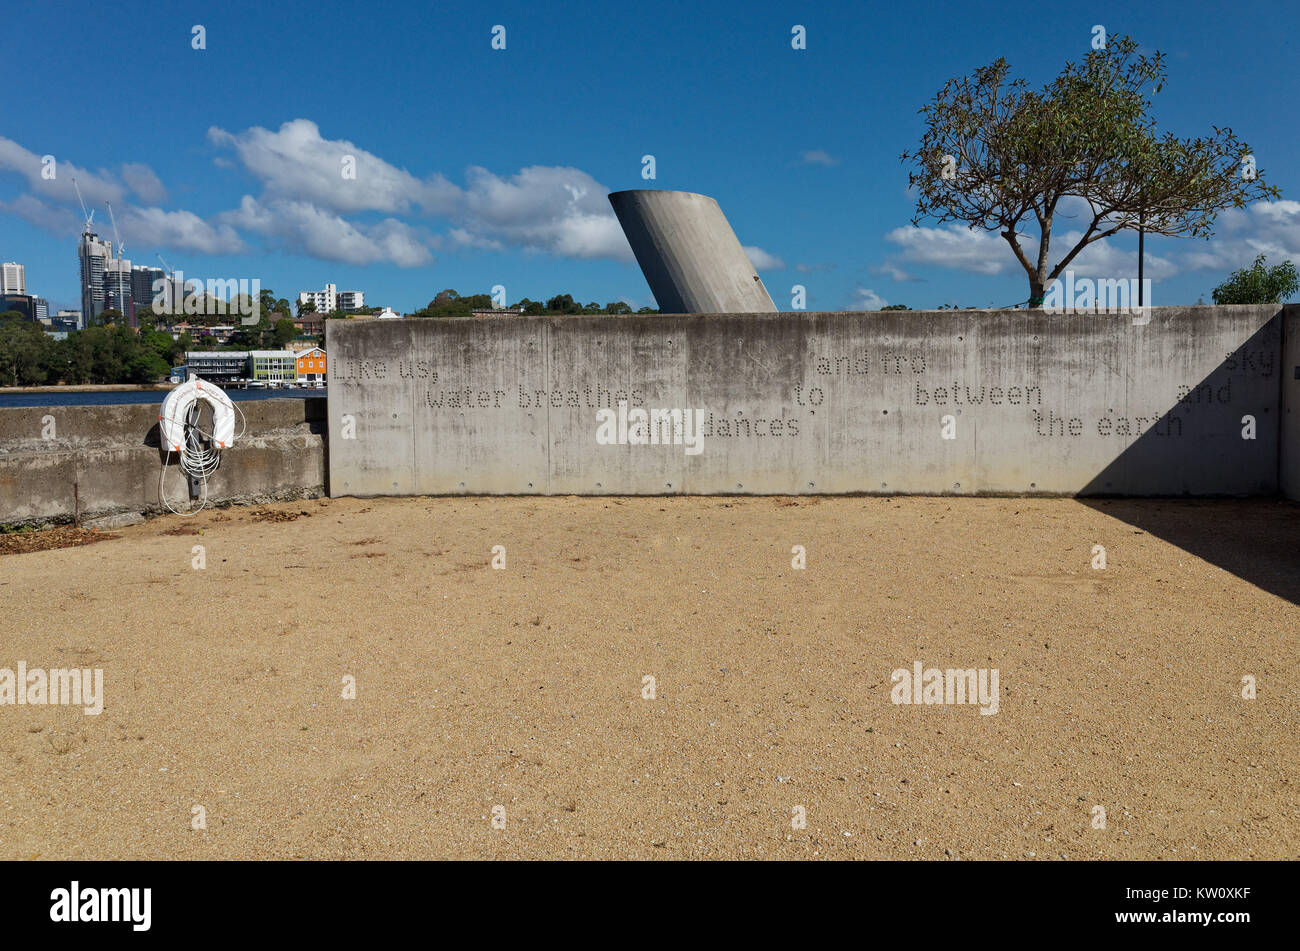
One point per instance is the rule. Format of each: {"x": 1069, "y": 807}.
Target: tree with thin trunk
{"x": 1002, "y": 157}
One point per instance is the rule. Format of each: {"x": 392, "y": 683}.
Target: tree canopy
{"x": 448, "y": 303}
{"x": 1259, "y": 284}
{"x": 117, "y": 354}
{"x": 999, "y": 156}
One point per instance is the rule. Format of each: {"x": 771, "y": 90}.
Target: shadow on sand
{"x": 1198, "y": 445}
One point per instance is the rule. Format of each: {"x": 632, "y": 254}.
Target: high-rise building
{"x": 142, "y": 284}
{"x": 19, "y": 303}
{"x": 42, "y": 308}
{"x": 13, "y": 278}
{"x": 117, "y": 288}
{"x": 350, "y": 301}
{"x": 94, "y": 255}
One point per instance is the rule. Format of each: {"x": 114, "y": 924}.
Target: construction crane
{"x": 121, "y": 303}
{"x": 116, "y": 240}
{"x": 89, "y": 217}
{"x": 173, "y": 304}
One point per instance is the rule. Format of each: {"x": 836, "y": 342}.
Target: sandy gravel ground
{"x": 522, "y": 688}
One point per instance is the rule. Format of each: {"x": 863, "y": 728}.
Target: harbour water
{"x": 107, "y": 397}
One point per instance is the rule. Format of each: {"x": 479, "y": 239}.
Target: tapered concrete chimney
{"x": 688, "y": 253}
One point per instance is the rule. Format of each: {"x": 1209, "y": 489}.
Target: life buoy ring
{"x": 176, "y": 407}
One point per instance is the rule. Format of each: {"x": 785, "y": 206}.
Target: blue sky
{"x": 478, "y": 167}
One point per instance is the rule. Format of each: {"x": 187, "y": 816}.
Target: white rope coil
{"x": 198, "y": 450}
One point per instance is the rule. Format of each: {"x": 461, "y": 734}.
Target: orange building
{"x": 311, "y": 366}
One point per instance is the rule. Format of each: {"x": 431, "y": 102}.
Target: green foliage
{"x": 100, "y": 354}
{"x": 24, "y": 351}
{"x": 448, "y": 303}
{"x": 272, "y": 305}
{"x": 896, "y": 307}
{"x": 999, "y": 156}
{"x": 1259, "y": 284}
{"x": 283, "y": 332}
{"x": 563, "y": 304}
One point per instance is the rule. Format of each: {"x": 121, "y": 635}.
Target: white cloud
{"x": 302, "y": 227}
{"x": 557, "y": 210}
{"x": 763, "y": 261}
{"x": 983, "y": 252}
{"x": 1102, "y": 259}
{"x": 818, "y": 157}
{"x": 955, "y": 246}
{"x": 55, "y": 219}
{"x": 141, "y": 227}
{"x": 864, "y": 298}
{"x": 554, "y": 210}
{"x": 142, "y": 180}
{"x": 95, "y": 188}
{"x": 463, "y": 238}
{"x": 1271, "y": 228}
{"x": 895, "y": 273}
{"x": 296, "y": 162}
{"x": 1268, "y": 228}
{"x": 147, "y": 228}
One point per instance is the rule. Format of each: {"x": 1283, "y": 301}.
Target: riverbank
{"x": 90, "y": 388}
{"x": 68, "y": 396}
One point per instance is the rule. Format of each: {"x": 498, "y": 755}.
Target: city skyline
{"x": 497, "y": 172}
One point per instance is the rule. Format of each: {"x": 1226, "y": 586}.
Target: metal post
{"x": 1141, "y": 247}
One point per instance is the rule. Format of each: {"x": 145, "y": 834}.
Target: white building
{"x": 331, "y": 299}
{"x": 13, "y": 278}
{"x": 351, "y": 301}
{"x": 388, "y": 314}
{"x": 117, "y": 287}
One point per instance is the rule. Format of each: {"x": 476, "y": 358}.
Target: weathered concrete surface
{"x": 689, "y": 255}
{"x": 1289, "y": 462}
{"x": 112, "y": 457}
{"x": 812, "y": 403}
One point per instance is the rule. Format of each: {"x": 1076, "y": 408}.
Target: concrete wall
{"x": 111, "y": 455}
{"x": 1289, "y": 461}
{"x": 692, "y": 260}
{"x": 812, "y": 403}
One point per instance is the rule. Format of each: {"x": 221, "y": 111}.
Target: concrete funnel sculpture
{"x": 688, "y": 253}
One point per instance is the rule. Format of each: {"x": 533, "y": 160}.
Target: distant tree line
{"x": 101, "y": 354}
{"x": 448, "y": 303}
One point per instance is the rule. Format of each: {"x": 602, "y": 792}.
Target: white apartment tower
{"x": 13, "y": 278}
{"x": 332, "y": 299}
